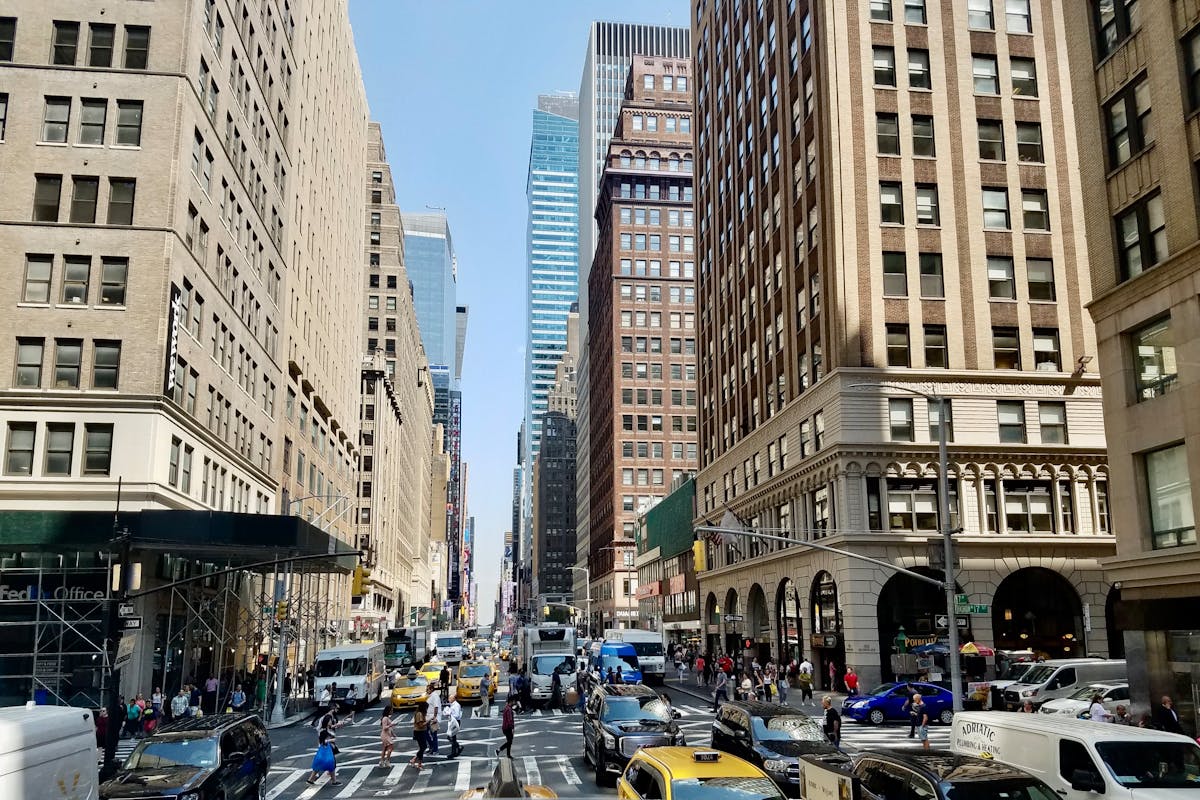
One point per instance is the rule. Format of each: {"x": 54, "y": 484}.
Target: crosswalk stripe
{"x": 568, "y": 771}
{"x": 463, "y": 780}
{"x": 280, "y": 787}
{"x": 311, "y": 791}
{"x": 394, "y": 776}
{"x": 422, "y": 781}
{"x": 532, "y": 773}
{"x": 359, "y": 778}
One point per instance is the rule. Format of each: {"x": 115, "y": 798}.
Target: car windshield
{"x": 1088, "y": 692}
{"x": 724, "y": 789}
{"x": 1011, "y": 789}
{"x": 786, "y": 729}
{"x": 1152, "y": 765}
{"x": 474, "y": 671}
{"x": 647, "y": 707}
{"x": 1038, "y": 674}
{"x": 175, "y": 751}
{"x": 419, "y": 680}
{"x": 432, "y": 666}
{"x": 329, "y": 668}
{"x": 647, "y": 648}
{"x": 449, "y": 641}
{"x": 354, "y": 666}
{"x": 548, "y": 665}
{"x": 882, "y": 689}
{"x": 1016, "y": 670}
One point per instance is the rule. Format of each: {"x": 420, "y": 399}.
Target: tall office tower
{"x": 396, "y": 416}
{"x": 610, "y": 50}
{"x": 561, "y": 397}
{"x": 1134, "y": 117}
{"x": 165, "y": 239}
{"x": 889, "y": 213}
{"x": 641, "y": 339}
{"x": 554, "y": 514}
{"x": 552, "y": 245}
{"x": 433, "y": 592}
{"x": 433, "y": 272}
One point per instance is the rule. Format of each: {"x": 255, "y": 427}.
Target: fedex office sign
{"x": 28, "y": 593}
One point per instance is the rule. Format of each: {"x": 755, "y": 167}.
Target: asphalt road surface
{"x": 547, "y": 750}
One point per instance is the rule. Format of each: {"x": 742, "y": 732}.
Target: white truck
{"x": 359, "y": 665}
{"x": 449, "y": 646}
{"x": 544, "y": 650}
{"x": 48, "y": 753}
{"x": 649, "y": 648}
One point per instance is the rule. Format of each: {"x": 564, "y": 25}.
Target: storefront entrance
{"x": 1037, "y": 609}
{"x": 829, "y": 647}
{"x": 917, "y": 607}
{"x": 789, "y": 629}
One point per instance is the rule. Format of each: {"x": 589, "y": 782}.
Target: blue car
{"x": 888, "y": 702}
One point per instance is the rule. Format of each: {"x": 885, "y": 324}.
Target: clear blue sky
{"x": 454, "y": 82}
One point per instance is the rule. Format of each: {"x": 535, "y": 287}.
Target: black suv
{"x": 217, "y": 757}
{"x": 772, "y": 737}
{"x": 617, "y": 720}
{"x": 940, "y": 774}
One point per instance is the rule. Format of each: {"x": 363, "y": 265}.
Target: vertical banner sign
{"x": 176, "y": 311}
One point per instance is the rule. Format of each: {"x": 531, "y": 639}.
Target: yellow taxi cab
{"x": 410, "y": 691}
{"x": 472, "y": 676}
{"x": 432, "y": 669}
{"x": 693, "y": 773}
{"x": 505, "y": 652}
{"x": 505, "y": 783}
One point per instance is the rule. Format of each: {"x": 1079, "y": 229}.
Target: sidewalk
{"x": 303, "y": 710}
{"x": 704, "y": 693}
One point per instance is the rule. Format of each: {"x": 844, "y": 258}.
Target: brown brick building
{"x": 889, "y": 209}
{"x": 641, "y": 325}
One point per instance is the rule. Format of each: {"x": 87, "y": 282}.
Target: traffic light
{"x": 281, "y": 610}
{"x": 361, "y": 582}
{"x": 546, "y": 611}
{"x": 699, "y": 557}
{"x": 747, "y": 644}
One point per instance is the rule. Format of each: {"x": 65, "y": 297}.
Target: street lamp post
{"x": 948, "y": 584}
{"x": 587, "y": 578}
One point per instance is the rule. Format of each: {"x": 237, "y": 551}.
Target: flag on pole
{"x": 729, "y": 525}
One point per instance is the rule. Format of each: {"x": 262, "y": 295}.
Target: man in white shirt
{"x": 1098, "y": 713}
{"x": 453, "y": 715}
{"x": 806, "y": 666}
{"x": 435, "y": 714}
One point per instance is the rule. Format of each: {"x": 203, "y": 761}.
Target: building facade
{"x": 668, "y": 589}
{"x": 610, "y": 50}
{"x": 554, "y": 509}
{"x": 396, "y": 417}
{"x": 173, "y": 336}
{"x": 1136, "y": 105}
{"x": 642, "y": 402}
{"x": 889, "y": 213}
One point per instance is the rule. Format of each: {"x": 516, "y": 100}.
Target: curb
{"x": 700, "y": 693}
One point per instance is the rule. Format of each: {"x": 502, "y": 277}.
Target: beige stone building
{"x": 641, "y": 326}
{"x": 396, "y": 416}
{"x": 888, "y": 209}
{"x": 175, "y": 206}
{"x": 1135, "y": 71}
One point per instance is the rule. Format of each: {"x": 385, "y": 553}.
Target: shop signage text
{"x": 30, "y": 593}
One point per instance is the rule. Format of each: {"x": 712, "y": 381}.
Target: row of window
{"x": 85, "y": 199}
{"x": 671, "y": 124}
{"x": 653, "y": 319}
{"x": 67, "y": 45}
{"x": 68, "y": 366}
{"x": 668, "y": 83}
{"x": 653, "y": 344}
{"x": 654, "y": 371}
{"x": 654, "y": 397}
{"x": 644, "y": 423}
{"x": 91, "y": 124}
{"x": 990, "y": 136}
{"x": 653, "y": 242}
{"x": 642, "y": 449}
{"x": 654, "y": 162}
{"x": 652, "y": 268}
{"x": 1001, "y": 277}
{"x": 653, "y": 216}
{"x": 980, "y": 14}
{"x": 76, "y": 279}
{"x": 1006, "y": 347}
{"x": 1010, "y": 421}
{"x": 62, "y": 451}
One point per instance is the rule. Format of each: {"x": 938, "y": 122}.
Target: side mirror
{"x": 675, "y": 714}
{"x": 1083, "y": 780}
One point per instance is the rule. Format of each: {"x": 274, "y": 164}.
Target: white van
{"x": 1060, "y": 678}
{"x": 48, "y": 752}
{"x": 359, "y": 665}
{"x": 1082, "y": 760}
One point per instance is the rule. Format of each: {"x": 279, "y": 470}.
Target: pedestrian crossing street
{"x": 371, "y": 780}
{"x": 858, "y": 738}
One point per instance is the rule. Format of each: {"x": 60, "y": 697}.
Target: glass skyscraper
{"x": 429, "y": 259}
{"x": 552, "y": 244}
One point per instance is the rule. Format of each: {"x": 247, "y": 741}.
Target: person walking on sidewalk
{"x": 833, "y": 722}
{"x": 387, "y": 737}
{"x": 851, "y": 680}
{"x": 508, "y": 725}
{"x": 721, "y": 691}
{"x": 805, "y": 679}
{"x": 701, "y": 671}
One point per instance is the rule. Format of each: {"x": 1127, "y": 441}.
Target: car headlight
{"x": 775, "y": 765}
{"x": 190, "y": 796}
{"x": 859, "y": 704}
{"x": 1029, "y": 692}
{"x": 610, "y": 741}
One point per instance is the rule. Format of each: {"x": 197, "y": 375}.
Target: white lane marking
{"x": 394, "y": 776}
{"x": 355, "y": 782}
{"x": 532, "y": 773}
{"x": 568, "y": 771}
{"x": 463, "y": 780}
{"x": 311, "y": 791}
{"x": 279, "y": 788}
{"x": 422, "y": 781}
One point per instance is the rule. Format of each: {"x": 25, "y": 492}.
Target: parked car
{"x": 1080, "y": 700}
{"x": 220, "y": 755}
{"x": 772, "y": 737}
{"x": 1060, "y": 678}
{"x": 941, "y": 775}
{"x": 888, "y": 701}
{"x": 688, "y": 773}
{"x": 46, "y": 751}
{"x": 620, "y": 718}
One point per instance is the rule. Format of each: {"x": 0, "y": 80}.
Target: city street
{"x": 547, "y": 750}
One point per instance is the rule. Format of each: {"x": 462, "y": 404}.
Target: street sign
{"x": 973, "y": 608}
{"x": 733, "y": 617}
{"x": 961, "y": 609}
{"x": 941, "y": 621}
{"x": 124, "y": 650}
{"x": 125, "y": 610}
{"x": 962, "y": 599}
{"x": 131, "y": 623}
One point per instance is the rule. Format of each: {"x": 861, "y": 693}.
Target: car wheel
{"x": 876, "y": 716}
{"x": 946, "y": 717}
{"x": 602, "y": 778}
